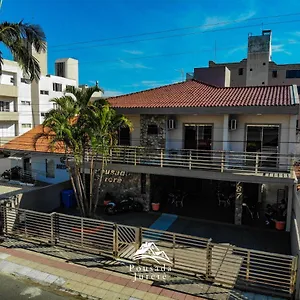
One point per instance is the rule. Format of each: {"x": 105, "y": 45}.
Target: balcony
{"x": 8, "y": 90}
{"x": 219, "y": 165}
{"x": 9, "y": 116}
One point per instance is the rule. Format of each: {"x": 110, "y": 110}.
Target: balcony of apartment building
{"x": 8, "y": 84}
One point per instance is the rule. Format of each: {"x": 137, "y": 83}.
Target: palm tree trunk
{"x": 79, "y": 200}
{"x": 80, "y": 189}
{"x": 98, "y": 184}
{"x": 91, "y": 184}
{"x": 77, "y": 195}
{"x": 83, "y": 170}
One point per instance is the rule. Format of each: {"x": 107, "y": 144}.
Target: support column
{"x": 239, "y": 195}
{"x": 225, "y": 136}
{"x": 290, "y": 199}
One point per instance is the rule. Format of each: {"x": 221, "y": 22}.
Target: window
{"x": 43, "y": 92}
{"x": 12, "y": 80}
{"x": 298, "y": 88}
{"x": 50, "y": 168}
{"x": 292, "y": 74}
{"x": 198, "y": 136}
{"x": 152, "y": 129}
{"x": 274, "y": 74}
{"x": 43, "y": 114}
{"x": 57, "y": 87}
{"x": 25, "y": 102}
{"x": 60, "y": 69}
{"x": 124, "y": 136}
{"x": 4, "y": 106}
{"x": 241, "y": 71}
{"x": 69, "y": 86}
{"x": 55, "y": 106}
{"x": 26, "y": 125}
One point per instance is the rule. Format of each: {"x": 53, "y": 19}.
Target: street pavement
{"x": 16, "y": 289}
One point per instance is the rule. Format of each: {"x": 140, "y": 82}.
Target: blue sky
{"x": 126, "y": 65}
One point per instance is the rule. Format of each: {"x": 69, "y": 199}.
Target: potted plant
{"x": 156, "y": 199}
{"x": 108, "y": 198}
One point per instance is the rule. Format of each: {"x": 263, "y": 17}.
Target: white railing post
{"x": 161, "y": 158}
{"x": 292, "y": 166}
{"x": 135, "y": 156}
{"x": 222, "y": 161}
{"x": 256, "y": 163}
{"x": 190, "y": 160}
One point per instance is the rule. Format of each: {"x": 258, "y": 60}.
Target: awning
{"x": 17, "y": 156}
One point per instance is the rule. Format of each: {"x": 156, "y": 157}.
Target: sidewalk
{"x": 88, "y": 282}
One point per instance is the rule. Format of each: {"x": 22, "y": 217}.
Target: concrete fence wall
{"x": 45, "y": 199}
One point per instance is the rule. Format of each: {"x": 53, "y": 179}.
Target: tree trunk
{"x": 80, "y": 190}
{"x": 77, "y": 195}
{"x": 91, "y": 185}
{"x": 98, "y": 184}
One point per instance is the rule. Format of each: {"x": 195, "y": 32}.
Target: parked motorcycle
{"x": 12, "y": 174}
{"x": 125, "y": 205}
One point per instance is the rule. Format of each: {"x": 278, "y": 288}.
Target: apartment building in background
{"x": 23, "y": 104}
{"x": 258, "y": 69}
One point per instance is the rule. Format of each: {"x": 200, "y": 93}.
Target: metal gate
{"x": 127, "y": 241}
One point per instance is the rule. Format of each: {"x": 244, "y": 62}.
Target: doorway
{"x": 264, "y": 139}
{"x": 27, "y": 164}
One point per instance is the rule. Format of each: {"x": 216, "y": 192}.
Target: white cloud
{"x": 214, "y": 22}
{"x": 237, "y": 49}
{"x": 280, "y": 48}
{"x": 112, "y": 93}
{"x": 134, "y": 52}
{"x": 127, "y": 65}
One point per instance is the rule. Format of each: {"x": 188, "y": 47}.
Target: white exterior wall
{"x": 25, "y": 103}
{"x": 46, "y": 84}
{"x": 38, "y": 166}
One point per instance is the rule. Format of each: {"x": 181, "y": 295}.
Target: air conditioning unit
{"x": 171, "y": 124}
{"x": 232, "y": 124}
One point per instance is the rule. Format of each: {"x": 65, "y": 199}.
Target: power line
{"x": 179, "y": 35}
{"x": 175, "y": 29}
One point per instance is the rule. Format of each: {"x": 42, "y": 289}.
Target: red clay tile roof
{"x": 198, "y": 94}
{"x": 26, "y": 142}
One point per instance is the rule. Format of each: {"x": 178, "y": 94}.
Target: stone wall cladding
{"x": 120, "y": 184}
{"x": 153, "y": 140}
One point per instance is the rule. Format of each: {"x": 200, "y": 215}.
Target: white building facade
{"x": 23, "y": 104}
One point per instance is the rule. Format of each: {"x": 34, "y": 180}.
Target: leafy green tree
{"x": 87, "y": 130}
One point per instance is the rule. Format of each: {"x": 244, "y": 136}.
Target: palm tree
{"x": 18, "y": 38}
{"x": 84, "y": 127}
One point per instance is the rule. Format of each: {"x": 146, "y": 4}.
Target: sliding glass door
{"x": 265, "y": 139}
{"x": 198, "y": 136}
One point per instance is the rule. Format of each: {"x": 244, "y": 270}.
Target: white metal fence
{"x": 221, "y": 264}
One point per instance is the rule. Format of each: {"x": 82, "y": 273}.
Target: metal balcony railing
{"x": 210, "y": 160}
